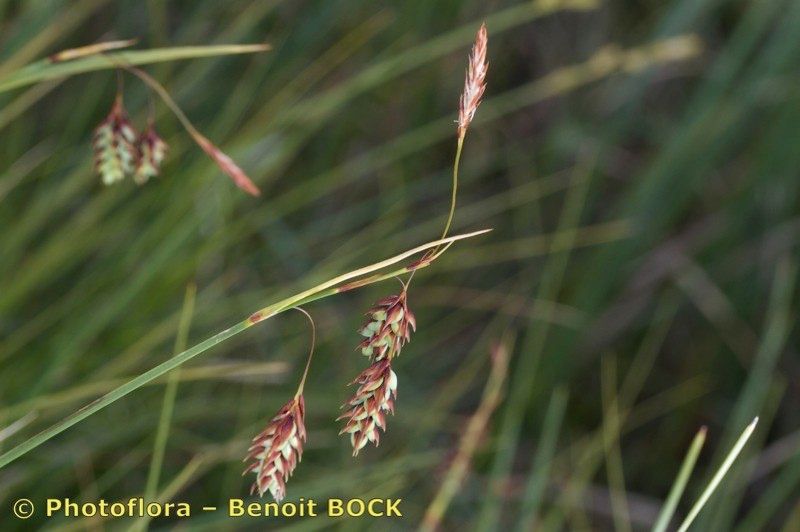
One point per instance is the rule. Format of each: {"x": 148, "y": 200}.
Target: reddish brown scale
{"x": 366, "y": 414}
{"x": 278, "y": 449}
{"x": 388, "y": 328}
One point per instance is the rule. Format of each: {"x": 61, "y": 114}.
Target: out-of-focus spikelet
{"x": 152, "y": 150}
{"x": 227, "y": 165}
{"x": 474, "y": 83}
{"x": 114, "y": 151}
{"x": 278, "y": 449}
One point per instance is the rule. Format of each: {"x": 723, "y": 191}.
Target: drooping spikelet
{"x": 389, "y": 326}
{"x": 278, "y": 449}
{"x": 377, "y": 391}
{"x": 474, "y": 83}
{"x": 227, "y": 165}
{"x": 114, "y": 151}
{"x": 152, "y": 150}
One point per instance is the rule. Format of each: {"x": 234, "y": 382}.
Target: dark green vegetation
{"x": 644, "y": 200}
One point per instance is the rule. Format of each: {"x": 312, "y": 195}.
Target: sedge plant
{"x": 276, "y": 451}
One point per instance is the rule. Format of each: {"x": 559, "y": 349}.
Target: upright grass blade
{"x": 762, "y": 374}
{"x": 782, "y": 490}
{"x": 168, "y": 404}
{"x": 678, "y": 487}
{"x": 717, "y": 478}
{"x": 320, "y": 291}
{"x": 542, "y": 462}
{"x": 611, "y": 445}
{"x": 533, "y": 347}
{"x": 45, "y": 69}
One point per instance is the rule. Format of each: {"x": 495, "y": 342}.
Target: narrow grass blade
{"x": 782, "y": 490}
{"x": 18, "y": 425}
{"x": 723, "y": 469}
{"x": 678, "y": 487}
{"x": 762, "y": 374}
{"x": 46, "y": 70}
{"x": 533, "y": 347}
{"x": 542, "y": 462}
{"x": 170, "y": 394}
{"x": 615, "y": 473}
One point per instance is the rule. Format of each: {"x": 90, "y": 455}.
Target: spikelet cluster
{"x": 474, "y": 82}
{"x": 277, "y": 450}
{"x": 388, "y": 327}
{"x": 115, "y": 152}
{"x": 119, "y": 151}
{"x": 151, "y": 152}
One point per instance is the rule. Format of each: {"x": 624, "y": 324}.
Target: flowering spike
{"x": 474, "y": 83}
{"x": 278, "y": 449}
{"x": 377, "y": 391}
{"x": 114, "y": 151}
{"x": 388, "y": 327}
{"x": 152, "y": 150}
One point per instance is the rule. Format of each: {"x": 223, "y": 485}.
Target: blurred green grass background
{"x": 637, "y": 160}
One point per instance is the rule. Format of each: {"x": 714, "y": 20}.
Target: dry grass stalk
{"x": 459, "y": 466}
{"x": 91, "y": 49}
{"x": 474, "y": 82}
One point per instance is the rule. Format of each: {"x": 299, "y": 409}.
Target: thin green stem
{"x": 310, "y": 351}
{"x": 159, "y": 89}
{"x": 454, "y": 193}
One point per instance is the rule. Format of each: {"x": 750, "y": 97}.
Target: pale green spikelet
{"x": 152, "y": 150}
{"x": 115, "y": 154}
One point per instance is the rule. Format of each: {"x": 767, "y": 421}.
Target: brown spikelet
{"x": 474, "y": 83}
{"x": 152, "y": 150}
{"x": 366, "y": 410}
{"x": 227, "y": 165}
{"x": 114, "y": 151}
{"x": 388, "y": 327}
{"x": 278, "y": 449}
